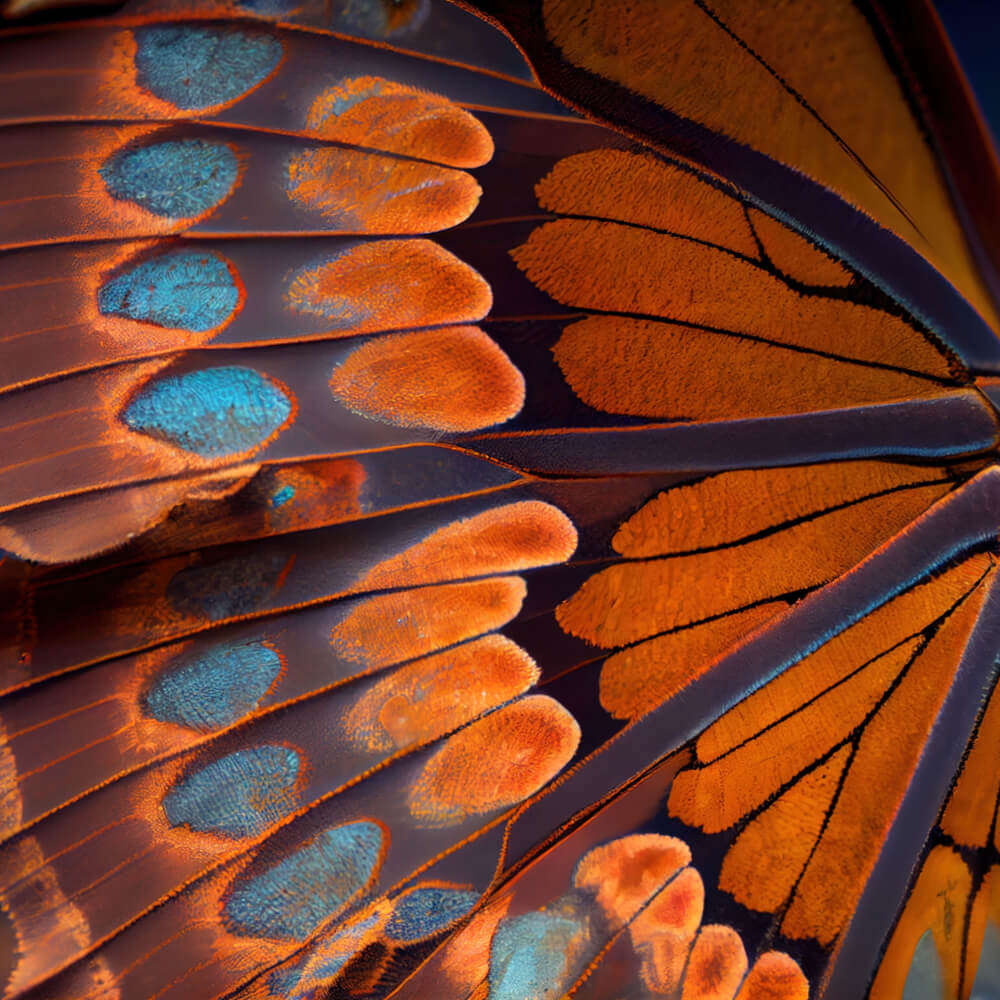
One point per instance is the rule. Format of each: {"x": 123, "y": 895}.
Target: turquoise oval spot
{"x": 178, "y": 179}
{"x": 215, "y": 689}
{"x": 294, "y": 897}
{"x": 213, "y": 412}
{"x": 424, "y": 912}
{"x": 239, "y": 795}
{"x": 199, "y": 67}
{"x": 185, "y": 290}
{"x": 532, "y": 955}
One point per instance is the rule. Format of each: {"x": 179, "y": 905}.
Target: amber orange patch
{"x": 382, "y": 114}
{"x": 717, "y": 965}
{"x": 794, "y": 255}
{"x": 774, "y": 976}
{"x": 434, "y": 695}
{"x": 591, "y": 265}
{"x": 360, "y": 290}
{"x": 368, "y": 193}
{"x": 452, "y": 379}
{"x": 646, "y": 191}
{"x": 636, "y": 680}
{"x": 391, "y": 628}
{"x": 503, "y": 539}
{"x": 496, "y": 761}
{"x": 652, "y": 369}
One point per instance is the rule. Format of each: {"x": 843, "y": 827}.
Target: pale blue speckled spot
{"x": 230, "y": 587}
{"x": 530, "y": 956}
{"x": 215, "y": 689}
{"x": 239, "y": 795}
{"x": 213, "y": 412}
{"x": 424, "y": 912}
{"x": 184, "y": 290}
{"x": 986, "y": 985}
{"x": 179, "y": 179}
{"x": 291, "y": 899}
{"x": 198, "y": 67}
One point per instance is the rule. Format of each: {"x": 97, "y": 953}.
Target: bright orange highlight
{"x": 774, "y": 976}
{"x": 360, "y": 290}
{"x": 646, "y": 368}
{"x": 503, "y": 539}
{"x": 391, "y": 628}
{"x": 382, "y": 114}
{"x": 495, "y": 762}
{"x": 369, "y": 193}
{"x": 646, "y": 191}
{"x": 432, "y": 696}
{"x": 591, "y": 265}
{"x": 453, "y": 379}
{"x": 636, "y": 680}
{"x": 716, "y": 966}
{"x": 794, "y": 255}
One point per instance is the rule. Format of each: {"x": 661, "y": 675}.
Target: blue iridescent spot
{"x": 239, "y": 795}
{"x": 530, "y": 956}
{"x": 424, "y": 912}
{"x": 179, "y": 179}
{"x": 282, "y": 496}
{"x": 213, "y": 412}
{"x": 294, "y": 897}
{"x": 215, "y": 689}
{"x": 184, "y": 290}
{"x": 199, "y": 67}
{"x": 228, "y": 588}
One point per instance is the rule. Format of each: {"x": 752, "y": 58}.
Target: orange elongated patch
{"x": 632, "y": 601}
{"x": 645, "y": 191}
{"x": 382, "y": 114}
{"x": 653, "y": 369}
{"x": 843, "y": 119}
{"x": 452, "y": 379}
{"x": 434, "y": 695}
{"x": 503, "y": 539}
{"x": 390, "y": 628}
{"x": 774, "y": 976}
{"x": 716, "y": 966}
{"x": 361, "y": 290}
{"x": 636, "y": 680}
{"x": 589, "y": 264}
{"x": 368, "y": 193}
{"x": 794, "y": 255}
{"x": 495, "y": 762}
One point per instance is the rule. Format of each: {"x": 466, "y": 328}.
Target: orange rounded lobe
{"x": 495, "y": 762}
{"x": 382, "y": 114}
{"x": 434, "y": 695}
{"x": 504, "y": 539}
{"x": 775, "y": 976}
{"x": 716, "y": 966}
{"x": 794, "y": 255}
{"x": 391, "y": 628}
{"x": 390, "y": 284}
{"x": 452, "y": 379}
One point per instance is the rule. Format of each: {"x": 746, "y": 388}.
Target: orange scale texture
{"x": 495, "y": 762}
{"x": 453, "y": 379}
{"x": 716, "y": 966}
{"x": 368, "y": 193}
{"x": 382, "y": 114}
{"x": 360, "y": 290}
{"x": 774, "y": 976}
{"x": 794, "y": 255}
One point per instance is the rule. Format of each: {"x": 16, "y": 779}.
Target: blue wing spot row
{"x": 178, "y": 178}
{"x": 214, "y": 412}
{"x": 199, "y": 67}
{"x": 215, "y": 689}
{"x": 295, "y": 896}
{"x": 424, "y": 912}
{"x": 184, "y": 290}
{"x": 239, "y": 795}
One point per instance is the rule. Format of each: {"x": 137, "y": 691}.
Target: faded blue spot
{"x": 239, "y": 585}
{"x": 424, "y": 912}
{"x": 282, "y": 496}
{"x": 197, "y": 67}
{"x": 987, "y": 982}
{"x": 214, "y": 412}
{"x": 925, "y": 980}
{"x": 239, "y": 795}
{"x": 531, "y": 956}
{"x": 294, "y": 897}
{"x": 275, "y": 8}
{"x": 178, "y": 179}
{"x": 215, "y": 689}
{"x": 184, "y": 290}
